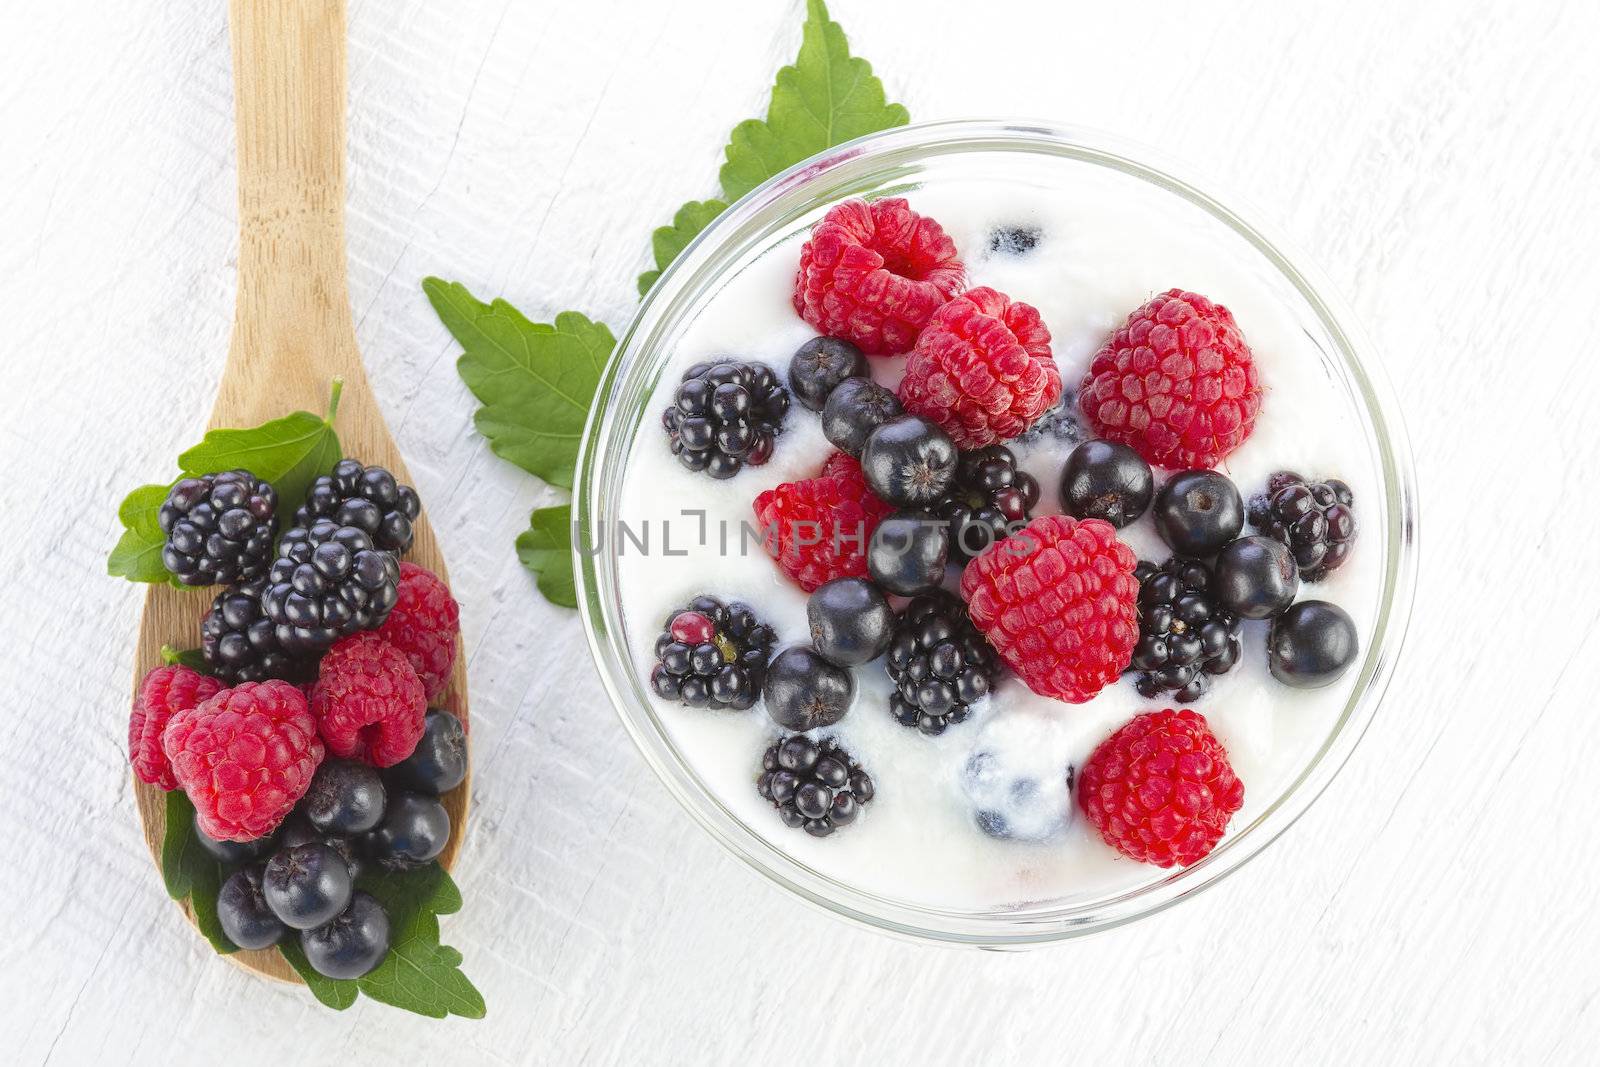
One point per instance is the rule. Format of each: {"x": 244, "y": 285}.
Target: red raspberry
{"x": 817, "y": 529}
{"x": 163, "y": 691}
{"x": 982, "y": 369}
{"x": 244, "y": 756}
{"x": 874, "y": 274}
{"x": 1176, "y": 383}
{"x": 368, "y": 701}
{"x": 1058, "y": 602}
{"x": 1160, "y": 790}
{"x": 424, "y": 625}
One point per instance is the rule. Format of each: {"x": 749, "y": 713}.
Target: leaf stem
{"x": 169, "y": 655}
{"x": 333, "y": 400}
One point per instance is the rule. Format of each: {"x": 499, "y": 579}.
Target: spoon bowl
{"x": 292, "y": 332}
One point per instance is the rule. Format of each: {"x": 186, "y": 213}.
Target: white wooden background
{"x": 1440, "y": 159}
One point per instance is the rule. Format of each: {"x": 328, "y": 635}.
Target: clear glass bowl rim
{"x": 831, "y": 175}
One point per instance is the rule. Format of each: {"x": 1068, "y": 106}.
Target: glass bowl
{"x": 896, "y": 161}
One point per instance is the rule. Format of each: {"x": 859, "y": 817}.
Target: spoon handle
{"x": 293, "y": 329}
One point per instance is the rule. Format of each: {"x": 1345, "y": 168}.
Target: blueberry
{"x": 819, "y": 365}
{"x": 297, "y": 830}
{"x": 805, "y": 691}
{"x": 439, "y": 763}
{"x": 243, "y": 912}
{"x": 1311, "y": 644}
{"x": 414, "y": 831}
{"x": 1104, "y": 480}
{"x": 909, "y": 462}
{"x": 851, "y": 621}
{"x": 854, "y": 409}
{"x": 1016, "y": 782}
{"x": 1198, "y": 512}
{"x": 908, "y": 553}
{"x": 345, "y": 797}
{"x": 306, "y": 885}
{"x": 1256, "y": 577}
{"x": 350, "y": 944}
{"x": 1014, "y": 240}
{"x": 232, "y": 853}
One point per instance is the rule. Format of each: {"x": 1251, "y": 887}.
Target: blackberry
{"x": 368, "y": 498}
{"x": 219, "y": 528}
{"x": 989, "y": 500}
{"x": 239, "y": 642}
{"x": 940, "y": 664}
{"x": 725, "y": 417}
{"x": 1317, "y": 520}
{"x": 1185, "y": 636}
{"x": 328, "y": 581}
{"x": 712, "y": 655}
{"x": 813, "y": 784}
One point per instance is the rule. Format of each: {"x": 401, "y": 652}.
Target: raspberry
{"x": 818, "y": 529}
{"x": 982, "y": 369}
{"x": 1160, "y": 790}
{"x": 874, "y": 274}
{"x": 1058, "y": 601}
{"x": 164, "y": 690}
{"x": 244, "y": 756}
{"x": 368, "y": 701}
{"x": 424, "y": 624}
{"x": 1176, "y": 383}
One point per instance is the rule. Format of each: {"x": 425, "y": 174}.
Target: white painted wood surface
{"x": 1438, "y": 158}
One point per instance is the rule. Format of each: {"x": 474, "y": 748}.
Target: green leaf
{"x": 535, "y": 380}
{"x": 192, "y": 658}
{"x": 419, "y": 974}
{"x": 188, "y": 870}
{"x": 545, "y": 548}
{"x": 137, "y": 555}
{"x": 336, "y": 993}
{"x": 668, "y": 241}
{"x": 290, "y": 452}
{"x": 827, "y": 98}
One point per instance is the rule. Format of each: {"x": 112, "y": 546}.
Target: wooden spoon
{"x": 292, "y": 328}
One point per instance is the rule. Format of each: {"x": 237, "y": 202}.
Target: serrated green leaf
{"x": 545, "y": 548}
{"x": 668, "y": 241}
{"x": 137, "y": 555}
{"x": 188, "y": 870}
{"x": 419, "y": 974}
{"x": 290, "y": 452}
{"x": 336, "y": 993}
{"x": 827, "y": 97}
{"x": 534, "y": 379}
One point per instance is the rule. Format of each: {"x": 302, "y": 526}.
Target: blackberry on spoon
{"x": 219, "y": 528}
{"x": 368, "y": 498}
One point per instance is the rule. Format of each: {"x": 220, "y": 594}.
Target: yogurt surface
{"x": 1105, "y": 243}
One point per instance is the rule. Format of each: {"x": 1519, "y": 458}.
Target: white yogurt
{"x": 1106, "y": 245}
